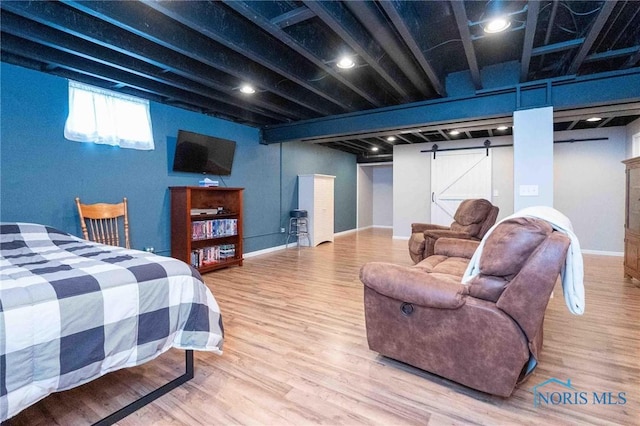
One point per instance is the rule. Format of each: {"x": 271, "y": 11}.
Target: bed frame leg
{"x": 153, "y": 395}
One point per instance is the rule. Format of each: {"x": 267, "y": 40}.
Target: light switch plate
{"x": 528, "y": 190}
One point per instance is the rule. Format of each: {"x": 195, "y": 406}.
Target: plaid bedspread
{"x": 72, "y": 310}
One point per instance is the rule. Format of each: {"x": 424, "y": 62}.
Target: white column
{"x": 533, "y": 158}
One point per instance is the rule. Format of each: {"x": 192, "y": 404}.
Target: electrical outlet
{"x": 282, "y": 230}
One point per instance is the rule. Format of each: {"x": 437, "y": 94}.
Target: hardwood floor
{"x": 295, "y": 352}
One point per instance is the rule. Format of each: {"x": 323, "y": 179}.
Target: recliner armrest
{"x": 447, "y": 233}
{"x": 414, "y": 286}
{"x": 456, "y": 247}
{"x": 421, "y": 227}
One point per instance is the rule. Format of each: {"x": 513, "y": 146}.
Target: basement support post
{"x": 533, "y": 158}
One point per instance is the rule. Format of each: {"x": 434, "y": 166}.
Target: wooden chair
{"x": 104, "y": 221}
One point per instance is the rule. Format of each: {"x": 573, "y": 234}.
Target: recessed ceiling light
{"x": 374, "y": 149}
{"x": 502, "y": 128}
{"x": 346, "y": 62}
{"x": 247, "y": 89}
{"x": 594, "y": 119}
{"x": 454, "y": 132}
{"x": 391, "y": 138}
{"x": 497, "y": 25}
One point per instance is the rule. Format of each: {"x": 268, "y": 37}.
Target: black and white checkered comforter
{"x": 72, "y": 310}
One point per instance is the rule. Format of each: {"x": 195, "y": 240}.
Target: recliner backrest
{"x": 489, "y": 222}
{"x": 526, "y": 297}
{"x": 473, "y": 216}
{"x": 510, "y": 245}
{"x": 519, "y": 265}
{"x": 504, "y": 253}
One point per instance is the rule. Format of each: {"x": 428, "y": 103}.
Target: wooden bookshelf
{"x": 207, "y": 241}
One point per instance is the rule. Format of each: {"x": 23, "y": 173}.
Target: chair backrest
{"x": 519, "y": 265}
{"x": 489, "y": 221}
{"x": 100, "y": 222}
{"x": 475, "y": 217}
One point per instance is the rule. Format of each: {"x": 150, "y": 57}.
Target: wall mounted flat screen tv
{"x": 203, "y": 154}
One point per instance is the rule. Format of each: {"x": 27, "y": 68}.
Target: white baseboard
{"x": 268, "y": 250}
{"x": 293, "y": 244}
{"x": 604, "y": 253}
{"x": 398, "y": 237}
{"x": 362, "y": 228}
{"x": 348, "y": 231}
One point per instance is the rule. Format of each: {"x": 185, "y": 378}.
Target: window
{"x": 106, "y": 117}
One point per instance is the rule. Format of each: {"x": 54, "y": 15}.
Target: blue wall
{"x": 300, "y": 159}
{"x": 41, "y": 172}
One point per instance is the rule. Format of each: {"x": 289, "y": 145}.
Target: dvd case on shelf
{"x": 213, "y": 228}
{"x": 214, "y": 254}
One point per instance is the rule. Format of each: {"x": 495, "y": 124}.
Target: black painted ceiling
{"x": 197, "y": 54}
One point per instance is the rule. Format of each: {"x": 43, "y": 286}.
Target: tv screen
{"x": 203, "y": 154}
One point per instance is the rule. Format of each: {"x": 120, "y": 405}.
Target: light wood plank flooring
{"x": 296, "y": 353}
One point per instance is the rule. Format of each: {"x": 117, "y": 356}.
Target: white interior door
{"x": 457, "y": 176}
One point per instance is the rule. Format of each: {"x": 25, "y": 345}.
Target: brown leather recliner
{"x": 472, "y": 220}
{"x": 486, "y": 335}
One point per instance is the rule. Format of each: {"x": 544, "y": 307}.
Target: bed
{"x": 72, "y": 310}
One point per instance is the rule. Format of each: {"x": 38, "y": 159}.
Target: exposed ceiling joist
{"x": 292, "y": 17}
{"x": 610, "y": 54}
{"x": 308, "y": 49}
{"x": 218, "y": 23}
{"x": 197, "y": 55}
{"x": 557, "y": 47}
{"x": 190, "y": 54}
{"x": 529, "y": 34}
{"x": 351, "y": 31}
{"x": 463, "y": 26}
{"x": 400, "y": 24}
{"x": 594, "y": 31}
{"x": 371, "y": 18}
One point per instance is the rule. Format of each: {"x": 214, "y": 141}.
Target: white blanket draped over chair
{"x": 572, "y": 272}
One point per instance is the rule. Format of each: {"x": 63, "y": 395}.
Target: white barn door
{"x": 457, "y": 176}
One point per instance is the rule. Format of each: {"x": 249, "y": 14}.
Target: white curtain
{"x": 106, "y": 117}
